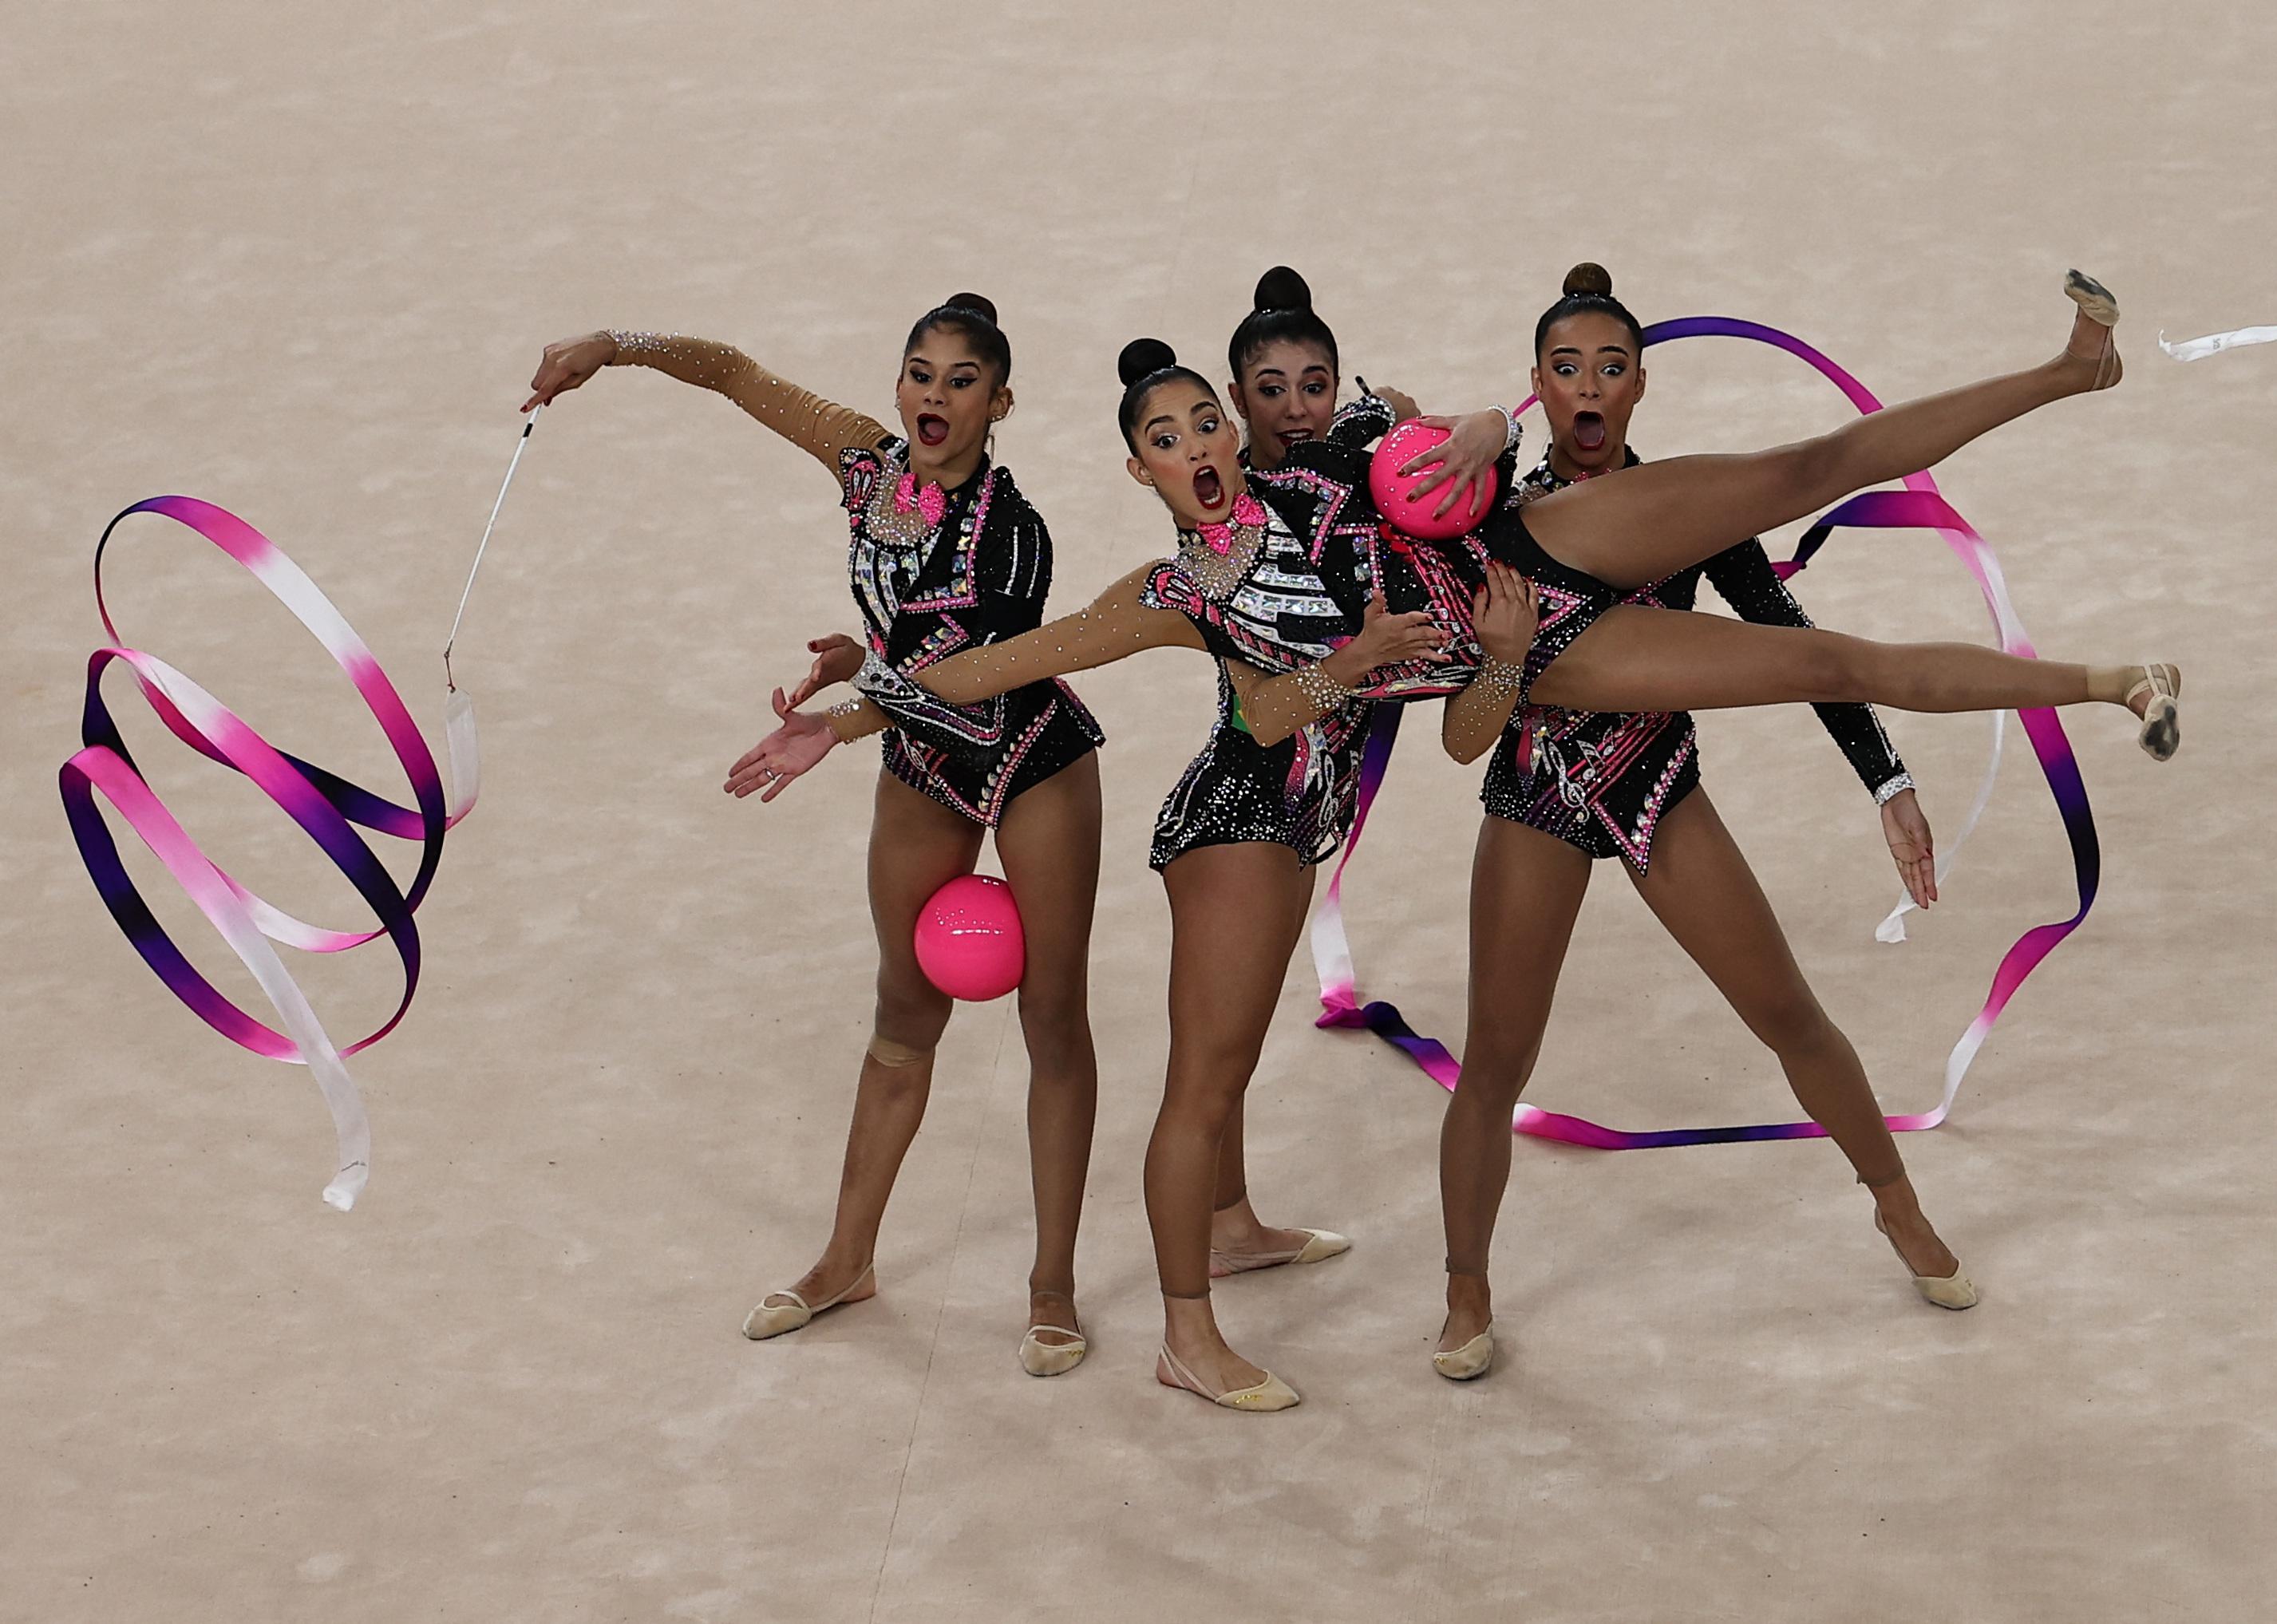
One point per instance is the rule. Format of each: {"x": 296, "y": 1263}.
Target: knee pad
{"x": 885, "y": 1052}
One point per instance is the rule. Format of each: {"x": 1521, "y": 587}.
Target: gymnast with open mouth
{"x": 1565, "y": 788}
{"x": 945, "y": 552}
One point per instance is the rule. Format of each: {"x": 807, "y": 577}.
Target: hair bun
{"x": 1282, "y": 289}
{"x": 1143, "y": 358}
{"x": 1590, "y": 280}
{"x": 974, "y": 303}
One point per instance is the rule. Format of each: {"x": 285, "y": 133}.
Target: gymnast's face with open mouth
{"x": 1288, "y": 393}
{"x": 946, "y": 395}
{"x": 1589, "y": 377}
{"x": 1186, "y": 446}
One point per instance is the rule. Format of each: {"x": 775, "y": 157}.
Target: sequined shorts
{"x": 1048, "y": 730}
{"x": 1600, "y": 782}
{"x": 1300, "y": 793}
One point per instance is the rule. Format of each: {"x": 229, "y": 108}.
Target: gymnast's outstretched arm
{"x": 1115, "y": 623}
{"x": 818, "y": 427}
{"x": 1118, "y": 622}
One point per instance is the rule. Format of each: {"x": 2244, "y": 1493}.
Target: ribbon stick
{"x": 1919, "y": 506}
{"x": 2215, "y": 343}
{"x": 329, "y": 808}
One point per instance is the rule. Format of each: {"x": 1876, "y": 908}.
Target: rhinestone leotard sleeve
{"x": 1744, "y": 578}
{"x": 820, "y": 428}
{"x": 1361, "y": 423}
{"x": 1274, "y": 707}
{"x": 857, "y": 719}
{"x": 1010, "y": 564}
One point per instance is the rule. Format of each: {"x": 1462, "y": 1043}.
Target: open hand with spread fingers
{"x": 1462, "y": 462}
{"x": 769, "y": 765}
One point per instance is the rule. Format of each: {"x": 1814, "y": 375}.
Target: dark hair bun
{"x": 1143, "y": 358}
{"x": 1588, "y": 280}
{"x": 973, "y": 302}
{"x": 1282, "y": 289}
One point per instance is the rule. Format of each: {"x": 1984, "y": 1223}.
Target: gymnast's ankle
{"x": 1470, "y": 1307}
{"x": 1468, "y": 1286}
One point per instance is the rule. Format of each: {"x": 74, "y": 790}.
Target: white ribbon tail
{"x": 1332, "y": 959}
{"x": 466, "y": 757}
{"x": 2215, "y": 343}
{"x": 352, "y": 1127}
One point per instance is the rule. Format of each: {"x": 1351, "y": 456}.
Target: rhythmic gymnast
{"x": 1626, "y": 785}
{"x": 1284, "y": 375}
{"x": 945, "y": 551}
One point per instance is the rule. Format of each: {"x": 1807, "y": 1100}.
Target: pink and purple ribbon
{"x": 328, "y": 808}
{"x": 1919, "y": 506}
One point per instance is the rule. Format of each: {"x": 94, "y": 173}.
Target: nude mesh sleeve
{"x": 1114, "y": 624}
{"x": 818, "y": 427}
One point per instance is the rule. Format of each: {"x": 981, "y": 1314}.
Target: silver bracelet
{"x": 1513, "y": 432}
{"x": 1892, "y": 791}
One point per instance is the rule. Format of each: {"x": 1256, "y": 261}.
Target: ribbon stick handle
{"x": 504, "y": 485}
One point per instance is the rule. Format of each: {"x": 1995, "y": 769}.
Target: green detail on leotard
{"x": 1239, "y": 720}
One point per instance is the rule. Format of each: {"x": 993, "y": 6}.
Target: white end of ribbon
{"x": 2215, "y": 343}
{"x": 465, "y": 757}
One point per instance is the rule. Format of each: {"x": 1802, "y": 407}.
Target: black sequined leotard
{"x": 1322, "y": 492}
{"x": 1600, "y": 780}
{"x": 1291, "y": 602}
{"x": 1274, "y": 611}
{"x": 926, "y": 591}
{"x": 933, "y": 573}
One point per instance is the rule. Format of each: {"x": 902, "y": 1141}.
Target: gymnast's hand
{"x": 1505, "y": 614}
{"x": 769, "y": 765}
{"x": 1386, "y": 639}
{"x": 1463, "y": 460}
{"x": 567, "y": 364}
{"x": 837, "y": 658}
{"x": 1402, "y": 404}
{"x": 1907, "y": 832}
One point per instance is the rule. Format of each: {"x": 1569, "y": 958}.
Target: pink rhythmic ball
{"x": 1392, "y": 489}
{"x": 969, "y": 941}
